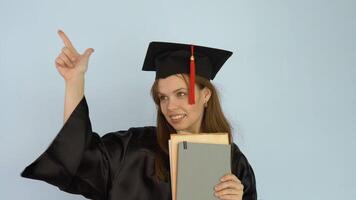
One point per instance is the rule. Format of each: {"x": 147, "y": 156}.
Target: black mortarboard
{"x": 174, "y": 58}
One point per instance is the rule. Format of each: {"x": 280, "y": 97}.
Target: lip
{"x": 174, "y": 114}
{"x": 176, "y": 121}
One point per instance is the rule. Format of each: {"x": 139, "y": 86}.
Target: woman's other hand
{"x": 230, "y": 187}
{"x": 69, "y": 63}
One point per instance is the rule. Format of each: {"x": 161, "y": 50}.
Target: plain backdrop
{"x": 289, "y": 89}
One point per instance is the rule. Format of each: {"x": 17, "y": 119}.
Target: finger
{"x": 66, "y": 40}
{"x": 230, "y": 197}
{"x": 71, "y": 55}
{"x": 59, "y": 63}
{"x": 66, "y": 60}
{"x": 228, "y": 184}
{"x": 227, "y": 192}
{"x": 88, "y": 52}
{"x": 228, "y": 177}
{"x": 64, "y": 65}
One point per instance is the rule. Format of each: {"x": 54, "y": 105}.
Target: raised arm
{"x": 72, "y": 67}
{"x": 77, "y": 161}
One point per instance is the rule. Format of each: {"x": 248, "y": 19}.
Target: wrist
{"x": 77, "y": 80}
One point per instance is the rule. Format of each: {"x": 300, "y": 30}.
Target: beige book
{"x": 208, "y": 138}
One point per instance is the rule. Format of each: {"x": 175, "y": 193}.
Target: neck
{"x": 186, "y": 132}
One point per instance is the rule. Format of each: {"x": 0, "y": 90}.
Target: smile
{"x": 177, "y": 117}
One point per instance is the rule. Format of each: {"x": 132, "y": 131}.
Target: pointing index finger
{"x": 65, "y": 40}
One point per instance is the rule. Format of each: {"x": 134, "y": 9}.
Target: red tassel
{"x": 192, "y": 77}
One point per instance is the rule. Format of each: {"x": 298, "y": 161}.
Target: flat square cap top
{"x": 173, "y": 58}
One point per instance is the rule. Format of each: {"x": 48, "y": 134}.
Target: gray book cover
{"x": 200, "y": 166}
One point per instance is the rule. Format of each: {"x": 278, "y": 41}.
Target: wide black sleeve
{"x": 78, "y": 161}
{"x": 243, "y": 170}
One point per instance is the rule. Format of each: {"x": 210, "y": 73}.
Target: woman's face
{"x": 173, "y": 95}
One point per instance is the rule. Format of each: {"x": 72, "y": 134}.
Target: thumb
{"x": 88, "y": 52}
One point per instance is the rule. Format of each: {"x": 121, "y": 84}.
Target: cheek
{"x": 163, "y": 109}
{"x": 195, "y": 111}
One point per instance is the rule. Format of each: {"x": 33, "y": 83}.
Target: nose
{"x": 171, "y": 104}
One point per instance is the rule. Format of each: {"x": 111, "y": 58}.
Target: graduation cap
{"x": 175, "y": 58}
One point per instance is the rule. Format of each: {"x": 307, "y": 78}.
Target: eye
{"x": 161, "y": 98}
{"x": 181, "y": 94}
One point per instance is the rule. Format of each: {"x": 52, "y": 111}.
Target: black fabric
{"x": 119, "y": 165}
{"x": 173, "y": 58}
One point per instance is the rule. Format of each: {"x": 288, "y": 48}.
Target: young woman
{"x": 134, "y": 164}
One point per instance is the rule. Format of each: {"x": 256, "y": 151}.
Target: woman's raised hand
{"x": 69, "y": 63}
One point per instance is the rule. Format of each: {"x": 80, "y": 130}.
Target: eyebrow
{"x": 159, "y": 93}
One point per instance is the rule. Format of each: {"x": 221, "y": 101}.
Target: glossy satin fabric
{"x": 117, "y": 166}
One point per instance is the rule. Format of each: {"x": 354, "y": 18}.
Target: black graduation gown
{"x": 117, "y": 166}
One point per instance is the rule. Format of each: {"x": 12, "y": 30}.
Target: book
{"x": 200, "y": 167}
{"x": 207, "y": 138}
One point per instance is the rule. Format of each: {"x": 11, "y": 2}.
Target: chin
{"x": 179, "y": 128}
{"x": 183, "y": 129}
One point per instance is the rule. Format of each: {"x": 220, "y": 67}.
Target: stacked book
{"x": 197, "y": 162}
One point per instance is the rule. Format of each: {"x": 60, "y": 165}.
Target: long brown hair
{"x": 213, "y": 121}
